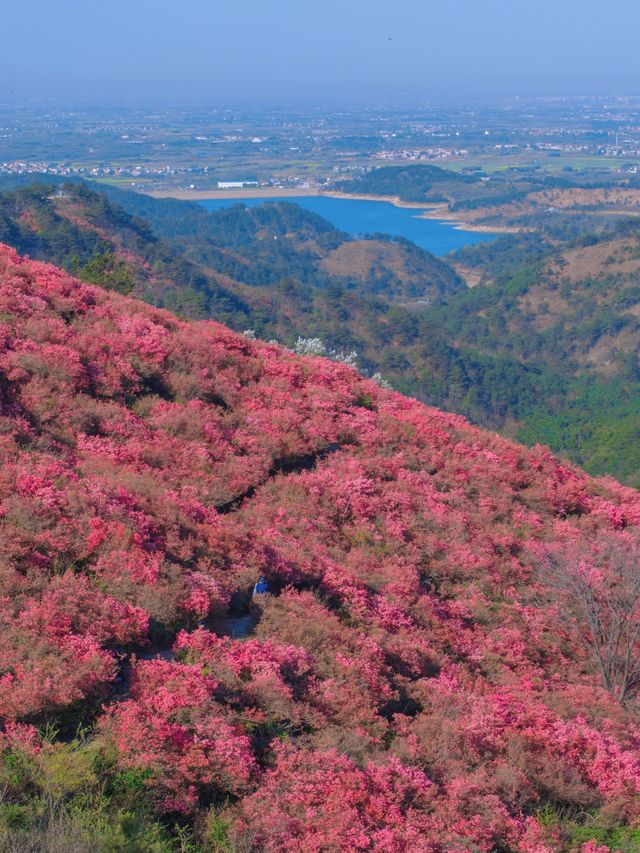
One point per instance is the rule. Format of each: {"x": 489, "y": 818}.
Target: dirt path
{"x": 236, "y": 626}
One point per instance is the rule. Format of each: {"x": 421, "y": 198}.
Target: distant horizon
{"x": 370, "y": 103}
{"x": 337, "y": 50}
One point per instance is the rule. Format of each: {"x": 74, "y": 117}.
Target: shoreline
{"x": 255, "y": 192}
{"x": 438, "y": 211}
{"x": 395, "y": 200}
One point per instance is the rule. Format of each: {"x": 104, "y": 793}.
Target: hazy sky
{"x": 330, "y": 49}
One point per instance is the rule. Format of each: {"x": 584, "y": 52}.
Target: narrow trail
{"x": 236, "y": 625}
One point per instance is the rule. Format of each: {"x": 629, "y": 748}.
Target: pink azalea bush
{"x": 412, "y": 683}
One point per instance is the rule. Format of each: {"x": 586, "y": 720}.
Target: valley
{"x": 427, "y": 227}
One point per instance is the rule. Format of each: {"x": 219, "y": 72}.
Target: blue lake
{"x": 363, "y": 216}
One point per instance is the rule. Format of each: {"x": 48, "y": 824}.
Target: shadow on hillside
{"x": 285, "y": 465}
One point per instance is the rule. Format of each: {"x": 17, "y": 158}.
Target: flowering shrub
{"x": 173, "y": 726}
{"x": 411, "y": 682}
{"x": 322, "y": 801}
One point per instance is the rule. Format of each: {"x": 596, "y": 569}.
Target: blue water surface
{"x": 364, "y": 216}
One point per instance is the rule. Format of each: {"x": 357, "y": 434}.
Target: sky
{"x": 331, "y": 50}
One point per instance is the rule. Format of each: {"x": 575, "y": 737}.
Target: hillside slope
{"x": 574, "y": 317}
{"x": 410, "y": 682}
{"x": 546, "y": 349}
{"x": 79, "y": 229}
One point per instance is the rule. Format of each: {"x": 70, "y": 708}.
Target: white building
{"x": 236, "y": 185}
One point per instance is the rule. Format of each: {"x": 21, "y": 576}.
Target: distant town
{"x": 232, "y": 148}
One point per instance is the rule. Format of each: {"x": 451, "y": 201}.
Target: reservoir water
{"x": 364, "y": 216}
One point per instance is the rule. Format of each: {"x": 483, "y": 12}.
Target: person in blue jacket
{"x": 261, "y": 588}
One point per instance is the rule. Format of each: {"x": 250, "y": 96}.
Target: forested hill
{"x": 409, "y": 183}
{"x": 574, "y": 317}
{"x": 311, "y": 282}
{"x": 362, "y": 295}
{"x": 283, "y": 240}
{"x": 420, "y": 674}
{"x": 525, "y": 199}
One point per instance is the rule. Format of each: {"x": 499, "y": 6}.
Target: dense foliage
{"x": 410, "y": 683}
{"x": 579, "y": 334}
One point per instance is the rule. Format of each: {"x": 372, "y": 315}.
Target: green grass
{"x": 500, "y": 163}
{"x": 117, "y": 181}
